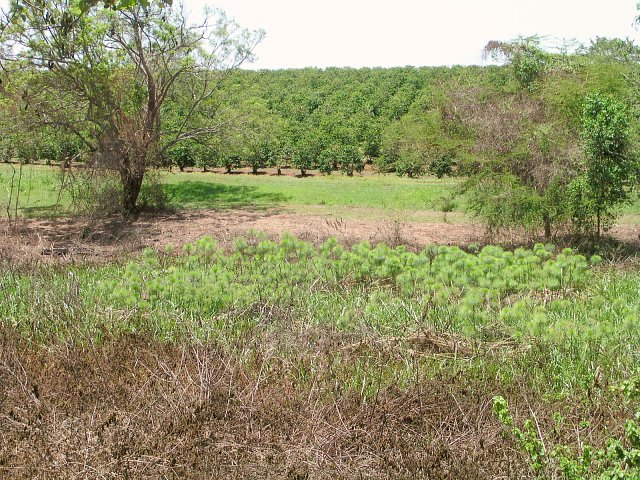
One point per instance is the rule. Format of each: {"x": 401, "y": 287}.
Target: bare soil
{"x": 107, "y": 238}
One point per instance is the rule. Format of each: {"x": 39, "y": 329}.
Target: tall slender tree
{"x": 610, "y": 168}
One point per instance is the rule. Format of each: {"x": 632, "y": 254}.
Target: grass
{"x": 336, "y": 193}
{"x": 331, "y": 326}
{"x": 383, "y": 192}
{"x": 582, "y": 318}
{"x": 375, "y": 197}
{"x": 35, "y": 188}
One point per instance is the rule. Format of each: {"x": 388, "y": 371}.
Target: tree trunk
{"x": 598, "y": 223}
{"x": 254, "y": 170}
{"x": 131, "y": 185}
{"x": 547, "y": 227}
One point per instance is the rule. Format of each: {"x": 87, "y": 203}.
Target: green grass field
{"x": 376, "y": 196}
{"x": 39, "y": 191}
{"x": 387, "y": 192}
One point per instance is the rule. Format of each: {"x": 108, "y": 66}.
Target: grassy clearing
{"x": 384, "y": 192}
{"x": 388, "y": 193}
{"x": 375, "y": 197}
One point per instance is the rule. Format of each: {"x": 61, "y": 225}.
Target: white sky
{"x": 388, "y": 33}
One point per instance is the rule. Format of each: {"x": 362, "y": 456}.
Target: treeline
{"x": 544, "y": 139}
{"x": 337, "y": 119}
{"x": 411, "y": 121}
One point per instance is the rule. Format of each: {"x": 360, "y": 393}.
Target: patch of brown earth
{"x": 138, "y": 408}
{"x": 84, "y": 238}
{"x": 97, "y": 239}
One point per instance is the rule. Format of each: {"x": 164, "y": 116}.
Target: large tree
{"x": 108, "y": 75}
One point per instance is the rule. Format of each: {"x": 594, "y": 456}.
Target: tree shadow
{"x": 197, "y": 194}
{"x": 43, "y": 212}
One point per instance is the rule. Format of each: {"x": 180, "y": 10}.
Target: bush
{"x": 442, "y": 166}
{"x": 326, "y": 161}
{"x": 618, "y": 458}
{"x": 610, "y": 168}
{"x": 410, "y": 164}
{"x": 350, "y": 159}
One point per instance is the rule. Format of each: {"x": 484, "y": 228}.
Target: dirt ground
{"x": 107, "y": 237}
{"x": 81, "y": 238}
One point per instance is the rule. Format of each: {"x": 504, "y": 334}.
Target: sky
{"x": 388, "y": 33}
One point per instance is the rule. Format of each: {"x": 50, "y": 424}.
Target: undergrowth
{"x": 551, "y": 330}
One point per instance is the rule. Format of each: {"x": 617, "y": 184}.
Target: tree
{"x": 231, "y": 149}
{"x": 187, "y": 154}
{"x": 307, "y": 148}
{"x": 411, "y": 144}
{"x": 615, "y": 49}
{"x": 610, "y": 169}
{"x": 525, "y": 56}
{"x": 525, "y": 157}
{"x": 85, "y": 5}
{"x": 261, "y": 133}
{"x": 106, "y": 76}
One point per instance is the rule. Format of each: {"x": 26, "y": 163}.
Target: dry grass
{"x": 137, "y": 408}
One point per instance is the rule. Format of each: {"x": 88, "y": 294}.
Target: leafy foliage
{"x": 610, "y": 170}
{"x": 619, "y": 458}
{"x": 524, "y": 55}
{"x": 207, "y": 280}
{"x": 106, "y": 76}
